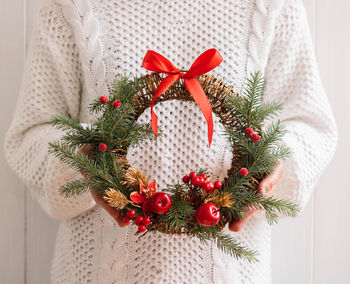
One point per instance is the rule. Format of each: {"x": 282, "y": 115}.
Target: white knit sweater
{"x": 79, "y": 46}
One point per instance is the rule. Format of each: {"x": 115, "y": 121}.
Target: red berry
{"x": 102, "y": 147}
{"x": 192, "y": 175}
{"x": 131, "y": 213}
{"x": 146, "y": 221}
{"x": 196, "y": 181}
{"x": 243, "y": 171}
{"x": 186, "y": 179}
{"x": 208, "y": 186}
{"x": 218, "y": 184}
{"x": 142, "y": 228}
{"x": 126, "y": 219}
{"x": 103, "y": 99}
{"x": 138, "y": 220}
{"x": 201, "y": 181}
{"x": 116, "y": 104}
{"x": 249, "y": 131}
{"x": 255, "y": 137}
{"x": 203, "y": 176}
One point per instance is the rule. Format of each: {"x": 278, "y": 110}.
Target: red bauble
{"x": 243, "y": 171}
{"x": 102, "y": 147}
{"x": 146, "y": 221}
{"x": 126, "y": 219}
{"x": 186, "y": 179}
{"x": 218, "y": 184}
{"x": 103, "y": 99}
{"x": 142, "y": 228}
{"x": 146, "y": 206}
{"x": 192, "y": 174}
{"x": 138, "y": 220}
{"x": 131, "y": 213}
{"x": 208, "y": 214}
{"x": 249, "y": 131}
{"x": 116, "y": 104}
{"x": 203, "y": 176}
{"x": 160, "y": 203}
{"x": 196, "y": 181}
{"x": 208, "y": 186}
{"x": 255, "y": 137}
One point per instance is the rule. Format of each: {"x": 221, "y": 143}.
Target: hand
{"x": 86, "y": 150}
{"x": 265, "y": 187}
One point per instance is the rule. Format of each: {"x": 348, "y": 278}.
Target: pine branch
{"x": 233, "y": 247}
{"x": 81, "y": 186}
{"x": 66, "y": 124}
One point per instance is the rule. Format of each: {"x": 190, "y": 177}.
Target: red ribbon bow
{"x": 207, "y": 61}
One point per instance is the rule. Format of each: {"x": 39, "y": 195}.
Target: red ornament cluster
{"x": 201, "y": 181}
{"x": 254, "y": 136}
{"x": 207, "y": 214}
{"x": 141, "y": 221}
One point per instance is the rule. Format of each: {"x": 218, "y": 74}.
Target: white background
{"x": 314, "y": 248}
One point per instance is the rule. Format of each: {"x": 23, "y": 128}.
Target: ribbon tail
{"x": 199, "y": 96}
{"x": 162, "y": 87}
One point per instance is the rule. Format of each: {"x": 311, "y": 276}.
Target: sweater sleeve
{"x": 51, "y": 84}
{"x": 292, "y": 78}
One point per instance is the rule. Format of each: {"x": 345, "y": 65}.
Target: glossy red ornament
{"x": 186, "y": 179}
{"x": 249, "y": 131}
{"x": 131, "y": 213}
{"x": 208, "y": 214}
{"x": 146, "y": 221}
{"x": 102, "y": 147}
{"x": 103, "y": 99}
{"x": 208, "y": 186}
{"x": 255, "y": 137}
{"x": 138, "y": 220}
{"x": 243, "y": 171}
{"x": 218, "y": 184}
{"x": 142, "y": 228}
{"x": 116, "y": 103}
{"x": 160, "y": 203}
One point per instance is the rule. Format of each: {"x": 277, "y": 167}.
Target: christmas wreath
{"x": 197, "y": 205}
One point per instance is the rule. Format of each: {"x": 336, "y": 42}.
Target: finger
{"x": 110, "y": 210}
{"x": 235, "y": 226}
{"x": 271, "y": 180}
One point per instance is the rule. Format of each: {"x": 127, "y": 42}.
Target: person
{"x": 77, "y": 49}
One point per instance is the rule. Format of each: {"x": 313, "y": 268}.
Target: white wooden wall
{"x": 313, "y": 248}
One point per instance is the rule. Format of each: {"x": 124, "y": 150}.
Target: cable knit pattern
{"x": 77, "y": 49}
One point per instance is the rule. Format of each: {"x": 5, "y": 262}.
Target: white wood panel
{"x": 41, "y": 230}
{"x": 332, "y": 233}
{"x": 292, "y": 242}
{"x": 12, "y": 201}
